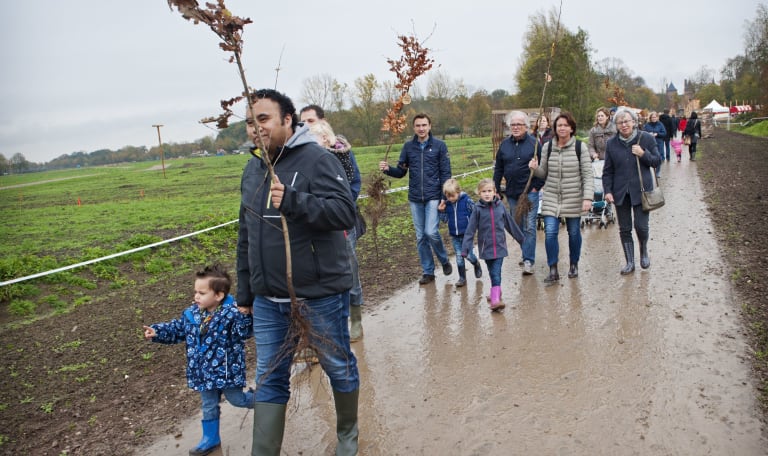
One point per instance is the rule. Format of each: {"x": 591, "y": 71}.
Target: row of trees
{"x": 577, "y": 84}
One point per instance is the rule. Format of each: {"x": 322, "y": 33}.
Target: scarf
{"x": 341, "y": 151}
{"x": 631, "y": 137}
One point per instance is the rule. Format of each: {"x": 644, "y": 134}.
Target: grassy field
{"x": 55, "y": 219}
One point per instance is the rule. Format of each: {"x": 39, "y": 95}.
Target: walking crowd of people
{"x": 303, "y": 178}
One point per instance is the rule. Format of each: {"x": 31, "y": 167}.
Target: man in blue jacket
{"x": 427, "y": 160}
{"x": 311, "y": 193}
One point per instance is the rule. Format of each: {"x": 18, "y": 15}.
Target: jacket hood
{"x": 495, "y": 202}
{"x": 300, "y": 137}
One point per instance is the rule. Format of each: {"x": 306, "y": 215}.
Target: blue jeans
{"x": 494, "y": 270}
{"x": 457, "y": 241}
{"x": 426, "y": 222}
{"x": 551, "y": 230}
{"x": 274, "y": 350}
{"x": 356, "y": 293}
{"x": 237, "y": 397}
{"x": 528, "y": 226}
{"x": 666, "y": 148}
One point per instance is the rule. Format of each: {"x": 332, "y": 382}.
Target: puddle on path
{"x": 648, "y": 364}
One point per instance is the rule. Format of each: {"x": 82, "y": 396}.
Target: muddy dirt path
{"x": 648, "y": 364}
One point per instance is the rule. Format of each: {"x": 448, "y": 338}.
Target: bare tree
{"x": 364, "y": 107}
{"x": 325, "y": 91}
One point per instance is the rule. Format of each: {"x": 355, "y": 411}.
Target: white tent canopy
{"x": 716, "y": 107}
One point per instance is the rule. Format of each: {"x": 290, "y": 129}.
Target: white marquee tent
{"x": 719, "y": 112}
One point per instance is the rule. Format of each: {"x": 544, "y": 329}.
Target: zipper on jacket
{"x": 493, "y": 230}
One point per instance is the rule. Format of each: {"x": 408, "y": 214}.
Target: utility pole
{"x": 162, "y": 155}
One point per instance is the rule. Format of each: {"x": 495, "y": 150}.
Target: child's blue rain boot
{"x": 210, "y": 441}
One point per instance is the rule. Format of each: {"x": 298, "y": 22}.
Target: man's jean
{"x": 236, "y": 396}
{"x": 666, "y": 148}
{"x": 528, "y": 226}
{"x": 457, "y": 241}
{"x": 356, "y": 293}
{"x": 494, "y": 270}
{"x": 551, "y": 230}
{"x": 274, "y": 351}
{"x": 426, "y": 222}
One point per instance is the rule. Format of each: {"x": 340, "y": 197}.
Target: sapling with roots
{"x": 229, "y": 29}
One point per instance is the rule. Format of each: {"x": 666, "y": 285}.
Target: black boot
{"x": 462, "y": 276}
{"x": 346, "y": 422}
{"x": 553, "y": 275}
{"x": 573, "y": 271}
{"x": 478, "y": 269}
{"x": 645, "y": 260}
{"x": 629, "y": 254}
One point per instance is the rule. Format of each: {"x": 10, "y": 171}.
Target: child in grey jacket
{"x": 490, "y": 220}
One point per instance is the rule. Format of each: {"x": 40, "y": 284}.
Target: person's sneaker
{"x": 426, "y": 278}
{"x": 461, "y": 282}
{"x": 447, "y": 268}
{"x": 527, "y": 268}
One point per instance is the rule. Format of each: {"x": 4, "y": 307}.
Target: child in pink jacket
{"x": 677, "y": 145}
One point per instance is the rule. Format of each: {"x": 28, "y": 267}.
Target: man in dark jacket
{"x": 427, "y": 160}
{"x": 512, "y": 164}
{"x": 311, "y": 192}
{"x": 670, "y": 128}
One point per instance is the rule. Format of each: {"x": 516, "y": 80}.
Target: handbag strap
{"x": 639, "y": 174}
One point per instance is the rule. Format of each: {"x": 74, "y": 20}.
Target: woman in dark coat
{"x": 622, "y": 183}
{"x": 693, "y": 131}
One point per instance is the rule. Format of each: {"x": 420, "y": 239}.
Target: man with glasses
{"x": 512, "y": 164}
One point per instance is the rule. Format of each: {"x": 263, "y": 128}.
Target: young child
{"x": 215, "y": 333}
{"x": 455, "y": 211}
{"x": 490, "y": 219}
{"x": 677, "y": 144}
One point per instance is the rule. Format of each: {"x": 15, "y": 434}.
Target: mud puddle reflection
{"x": 648, "y": 364}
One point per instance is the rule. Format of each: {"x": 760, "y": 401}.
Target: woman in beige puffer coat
{"x": 568, "y": 192}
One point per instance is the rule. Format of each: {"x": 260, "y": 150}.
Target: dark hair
{"x": 313, "y": 107}
{"x": 218, "y": 278}
{"x": 568, "y": 118}
{"x": 421, "y": 115}
{"x": 694, "y": 115}
{"x": 285, "y": 103}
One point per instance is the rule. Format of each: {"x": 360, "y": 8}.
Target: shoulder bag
{"x": 654, "y": 198}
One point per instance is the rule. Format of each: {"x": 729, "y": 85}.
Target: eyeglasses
{"x": 516, "y": 125}
{"x": 624, "y": 122}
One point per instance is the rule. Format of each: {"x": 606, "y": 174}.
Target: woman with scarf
{"x": 621, "y": 182}
{"x": 340, "y": 148}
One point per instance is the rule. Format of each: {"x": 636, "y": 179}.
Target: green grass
{"x": 59, "y": 218}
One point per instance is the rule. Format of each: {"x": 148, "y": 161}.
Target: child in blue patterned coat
{"x": 215, "y": 333}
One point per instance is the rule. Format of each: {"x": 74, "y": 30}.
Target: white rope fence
{"x": 168, "y": 241}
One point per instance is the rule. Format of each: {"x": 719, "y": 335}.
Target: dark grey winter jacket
{"x": 317, "y": 206}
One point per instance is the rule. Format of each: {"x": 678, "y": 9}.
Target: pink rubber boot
{"x": 496, "y": 303}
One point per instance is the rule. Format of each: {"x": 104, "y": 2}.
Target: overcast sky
{"x": 84, "y": 75}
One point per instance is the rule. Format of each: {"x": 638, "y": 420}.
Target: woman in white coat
{"x": 568, "y": 192}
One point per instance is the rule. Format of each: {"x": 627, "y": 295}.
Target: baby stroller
{"x": 601, "y": 211}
